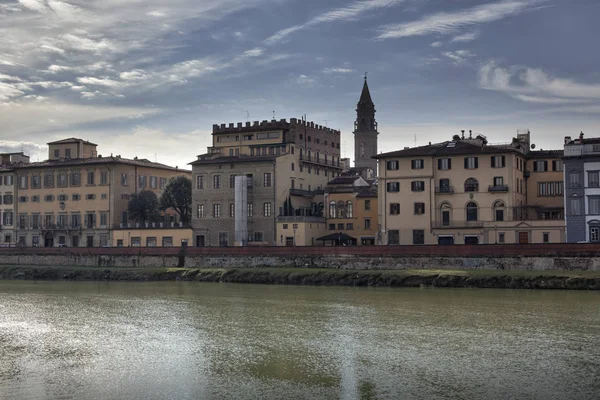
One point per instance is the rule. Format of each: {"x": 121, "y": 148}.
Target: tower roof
{"x": 365, "y": 96}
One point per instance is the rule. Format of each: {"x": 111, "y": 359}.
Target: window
{"x": 90, "y": 220}
{"x": 216, "y": 210}
{"x": 557, "y": 165}
{"x": 349, "y": 209}
{"x": 7, "y": 218}
{"x": 445, "y": 186}
{"x": 90, "y": 177}
{"x": 546, "y": 237}
{"x": 498, "y": 181}
{"x": 393, "y": 187}
{"x": 48, "y": 181}
{"x": 349, "y": 226}
{"x": 22, "y": 199}
{"x": 232, "y": 210}
{"x": 200, "y": 182}
{"x": 68, "y": 153}
{"x": 56, "y": 153}
{"x": 48, "y": 198}
{"x": 136, "y": 241}
{"x": 163, "y": 183}
{"x": 575, "y": 206}
{"x": 574, "y": 181}
{"x": 594, "y": 205}
{"x": 22, "y": 221}
{"x": 540, "y": 166}
{"x": 75, "y": 178}
{"x": 23, "y": 182}
{"x": 595, "y": 234}
{"x": 267, "y": 179}
{"x": 216, "y": 181}
{"x": 501, "y": 236}
{"x": 417, "y": 186}
{"x": 367, "y": 223}
{"x": 367, "y": 205}
{"x": 63, "y": 197}
{"x": 90, "y": 196}
{"x": 419, "y": 208}
{"x": 332, "y": 209}
{"x": 124, "y": 179}
{"x": 471, "y": 185}
{"x": 167, "y": 241}
{"x": 394, "y": 208}
{"x": 393, "y": 165}
{"x": 75, "y": 220}
{"x": 153, "y": 182}
{"x": 471, "y": 162}
{"x": 293, "y": 166}
{"x": 8, "y": 180}
{"x": 231, "y": 181}
{"x": 267, "y": 209}
{"x": 75, "y": 197}
{"x": 593, "y": 179}
{"x": 418, "y": 236}
{"x": 250, "y": 180}
{"x": 472, "y": 212}
{"x": 499, "y": 211}
{"x": 258, "y": 236}
{"x": 200, "y": 211}
{"x": 393, "y": 236}
{"x": 498, "y": 161}
{"x": 104, "y": 177}
{"x": 332, "y": 227}
{"x": 142, "y": 181}
{"x": 36, "y": 181}
{"x": 250, "y": 210}
{"x": 550, "y": 189}
{"x": 444, "y": 164}
{"x": 223, "y": 239}
{"x": 417, "y": 164}
{"x": 151, "y": 241}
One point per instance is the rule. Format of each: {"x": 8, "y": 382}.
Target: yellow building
{"x": 77, "y": 197}
{"x": 155, "y": 235}
{"x": 467, "y": 191}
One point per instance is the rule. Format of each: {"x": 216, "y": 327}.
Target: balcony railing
{"x": 497, "y": 188}
{"x": 456, "y": 224}
{"x": 444, "y": 190}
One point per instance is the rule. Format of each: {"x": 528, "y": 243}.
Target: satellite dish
{"x": 532, "y": 146}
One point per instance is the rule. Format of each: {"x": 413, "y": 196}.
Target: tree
{"x": 143, "y": 206}
{"x": 178, "y": 196}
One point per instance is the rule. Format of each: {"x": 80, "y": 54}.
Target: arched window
{"x": 471, "y": 185}
{"x": 594, "y": 233}
{"x": 332, "y": 209}
{"x": 301, "y": 153}
{"x": 341, "y": 212}
{"x": 308, "y": 154}
{"x": 445, "y": 210}
{"x": 349, "y": 209}
{"x": 498, "y": 210}
{"x": 472, "y": 212}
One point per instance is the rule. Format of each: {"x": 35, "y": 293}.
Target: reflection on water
{"x": 175, "y": 340}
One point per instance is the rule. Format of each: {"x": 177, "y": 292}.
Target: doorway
{"x": 445, "y": 240}
{"x": 90, "y": 241}
{"x": 523, "y": 237}
{"x": 200, "y": 241}
{"x": 75, "y": 241}
{"x": 471, "y": 239}
{"x": 49, "y": 240}
{"x": 289, "y": 241}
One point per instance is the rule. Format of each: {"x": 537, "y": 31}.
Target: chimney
{"x": 470, "y": 134}
{"x": 581, "y": 136}
{"x": 567, "y": 139}
{"x": 463, "y": 133}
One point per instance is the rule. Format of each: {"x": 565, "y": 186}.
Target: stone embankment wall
{"x": 576, "y": 257}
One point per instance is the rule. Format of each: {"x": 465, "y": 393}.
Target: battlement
{"x": 265, "y": 125}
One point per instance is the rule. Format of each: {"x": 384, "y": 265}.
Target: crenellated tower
{"x": 365, "y": 131}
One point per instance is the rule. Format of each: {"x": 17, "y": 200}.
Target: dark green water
{"x": 71, "y": 340}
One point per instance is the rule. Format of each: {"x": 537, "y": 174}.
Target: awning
{"x": 342, "y": 237}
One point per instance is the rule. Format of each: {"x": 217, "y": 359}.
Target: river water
{"x": 176, "y": 340}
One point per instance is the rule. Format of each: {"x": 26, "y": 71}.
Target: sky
{"x": 149, "y": 78}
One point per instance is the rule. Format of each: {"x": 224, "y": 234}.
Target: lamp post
{"x": 294, "y": 237}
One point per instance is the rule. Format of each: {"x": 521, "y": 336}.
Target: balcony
{"x": 444, "y": 190}
{"x": 313, "y": 160}
{"x": 497, "y": 188}
{"x": 456, "y": 224}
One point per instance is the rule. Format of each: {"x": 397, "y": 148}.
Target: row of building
{"x": 284, "y": 183}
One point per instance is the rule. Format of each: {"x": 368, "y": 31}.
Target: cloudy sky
{"x": 148, "y": 78}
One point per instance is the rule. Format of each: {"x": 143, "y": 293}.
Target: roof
{"x": 72, "y": 140}
{"x": 367, "y": 192}
{"x": 546, "y": 154}
{"x": 98, "y": 161}
{"x": 441, "y": 149}
{"x": 343, "y": 180}
{"x": 337, "y": 236}
{"x": 365, "y": 95}
{"x": 233, "y": 159}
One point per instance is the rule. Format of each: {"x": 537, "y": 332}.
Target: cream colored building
{"x": 466, "y": 191}
{"x": 8, "y": 202}
{"x": 286, "y": 163}
{"x": 155, "y": 235}
{"x": 77, "y": 197}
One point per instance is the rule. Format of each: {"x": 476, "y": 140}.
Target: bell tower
{"x": 365, "y": 131}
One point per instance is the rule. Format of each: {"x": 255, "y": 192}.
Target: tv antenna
{"x": 273, "y": 114}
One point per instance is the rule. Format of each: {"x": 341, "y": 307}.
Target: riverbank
{"x": 513, "y": 279}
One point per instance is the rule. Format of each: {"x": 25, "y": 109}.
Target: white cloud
{"x": 156, "y": 14}
{"x": 34, "y": 5}
{"x": 458, "y": 57}
{"x": 447, "y": 23}
{"x": 256, "y": 52}
{"x": 346, "y": 13}
{"x": 338, "y": 70}
{"x": 304, "y": 80}
{"x": 436, "y": 44}
{"x": 534, "y": 85}
{"x": 465, "y": 37}
{"x": 105, "y": 81}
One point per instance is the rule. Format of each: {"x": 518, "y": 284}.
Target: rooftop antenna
{"x": 415, "y": 139}
{"x": 273, "y": 114}
{"x": 365, "y": 76}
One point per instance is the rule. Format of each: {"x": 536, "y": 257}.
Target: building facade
{"x": 286, "y": 165}
{"x": 466, "y": 191}
{"x": 582, "y": 189}
{"x": 77, "y": 198}
{"x": 365, "y": 132}
{"x": 8, "y": 202}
